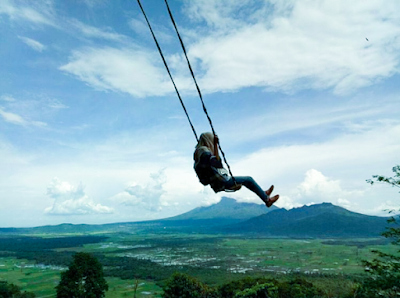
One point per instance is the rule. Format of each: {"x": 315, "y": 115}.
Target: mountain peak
{"x": 227, "y": 201}
{"x": 226, "y": 208}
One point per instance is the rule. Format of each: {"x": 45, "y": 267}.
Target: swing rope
{"x": 166, "y": 66}
{"x": 197, "y": 87}
{"x": 193, "y": 76}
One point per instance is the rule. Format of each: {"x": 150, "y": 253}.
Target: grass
{"x": 36, "y": 280}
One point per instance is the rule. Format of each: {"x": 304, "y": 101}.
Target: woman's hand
{"x": 216, "y": 140}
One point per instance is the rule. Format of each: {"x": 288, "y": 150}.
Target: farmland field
{"x": 210, "y": 258}
{"x": 42, "y": 280}
{"x": 240, "y": 255}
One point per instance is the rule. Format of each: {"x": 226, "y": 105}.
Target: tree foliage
{"x": 298, "y": 288}
{"x": 83, "y": 279}
{"x": 384, "y": 269}
{"x": 12, "y": 291}
{"x": 393, "y": 181}
{"x": 183, "y": 286}
{"x": 230, "y": 289}
{"x": 267, "y": 290}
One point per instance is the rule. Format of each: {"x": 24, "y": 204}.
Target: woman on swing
{"x": 209, "y": 169}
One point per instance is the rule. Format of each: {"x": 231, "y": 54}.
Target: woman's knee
{"x": 248, "y": 180}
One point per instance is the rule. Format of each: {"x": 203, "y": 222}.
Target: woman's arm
{"x": 216, "y": 151}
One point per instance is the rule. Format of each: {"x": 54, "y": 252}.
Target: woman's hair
{"x": 206, "y": 139}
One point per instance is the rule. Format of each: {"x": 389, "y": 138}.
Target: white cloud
{"x": 209, "y": 197}
{"x": 352, "y": 157}
{"x": 147, "y": 196}
{"x": 56, "y": 104}
{"x": 128, "y": 70}
{"x": 314, "y": 189}
{"x": 18, "y": 120}
{"x": 274, "y": 45}
{"x": 35, "y": 45}
{"x": 37, "y": 12}
{"x": 8, "y": 98}
{"x": 93, "y": 32}
{"x": 313, "y": 44}
{"x": 335, "y": 153}
{"x": 387, "y": 208}
{"x": 93, "y": 3}
{"x": 139, "y": 27}
{"x": 287, "y": 202}
{"x": 222, "y": 15}
{"x": 71, "y": 200}
{"x": 345, "y": 203}
{"x": 318, "y": 188}
{"x": 12, "y": 118}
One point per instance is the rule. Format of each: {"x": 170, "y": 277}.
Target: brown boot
{"x": 269, "y": 191}
{"x": 272, "y": 200}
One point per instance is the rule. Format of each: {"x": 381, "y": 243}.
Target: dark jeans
{"x": 250, "y": 184}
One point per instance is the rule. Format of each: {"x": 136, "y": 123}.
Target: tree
{"x": 10, "y": 290}
{"x": 298, "y": 288}
{"x": 83, "y": 279}
{"x": 180, "y": 285}
{"x": 384, "y": 269}
{"x": 267, "y": 290}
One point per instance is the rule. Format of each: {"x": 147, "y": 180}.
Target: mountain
{"x": 228, "y": 209}
{"x": 201, "y": 219}
{"x": 225, "y": 212}
{"x": 65, "y": 228}
{"x": 231, "y": 217}
{"x": 320, "y": 220}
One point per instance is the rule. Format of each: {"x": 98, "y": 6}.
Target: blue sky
{"x": 303, "y": 95}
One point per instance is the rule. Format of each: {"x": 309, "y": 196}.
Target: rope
{"x": 166, "y": 66}
{"x": 197, "y": 87}
{"x": 193, "y": 76}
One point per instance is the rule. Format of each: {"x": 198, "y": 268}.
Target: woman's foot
{"x": 269, "y": 191}
{"x": 272, "y": 200}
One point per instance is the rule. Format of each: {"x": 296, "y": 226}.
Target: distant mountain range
{"x": 320, "y": 220}
{"x": 231, "y": 217}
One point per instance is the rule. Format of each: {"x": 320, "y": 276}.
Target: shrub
{"x": 183, "y": 286}
{"x": 231, "y": 288}
{"x": 267, "y": 290}
{"x": 384, "y": 269}
{"x": 12, "y": 291}
{"x": 298, "y": 288}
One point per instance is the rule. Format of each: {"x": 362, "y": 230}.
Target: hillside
{"x": 228, "y": 209}
{"x": 320, "y": 220}
{"x": 231, "y": 217}
{"x": 205, "y": 219}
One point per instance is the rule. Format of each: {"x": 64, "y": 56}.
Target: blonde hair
{"x": 206, "y": 140}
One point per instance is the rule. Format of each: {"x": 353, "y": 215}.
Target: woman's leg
{"x": 250, "y": 184}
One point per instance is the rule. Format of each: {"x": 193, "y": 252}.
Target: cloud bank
{"x": 133, "y": 70}
{"x": 147, "y": 196}
{"x": 280, "y": 46}
{"x": 37, "y": 12}
{"x": 71, "y": 200}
